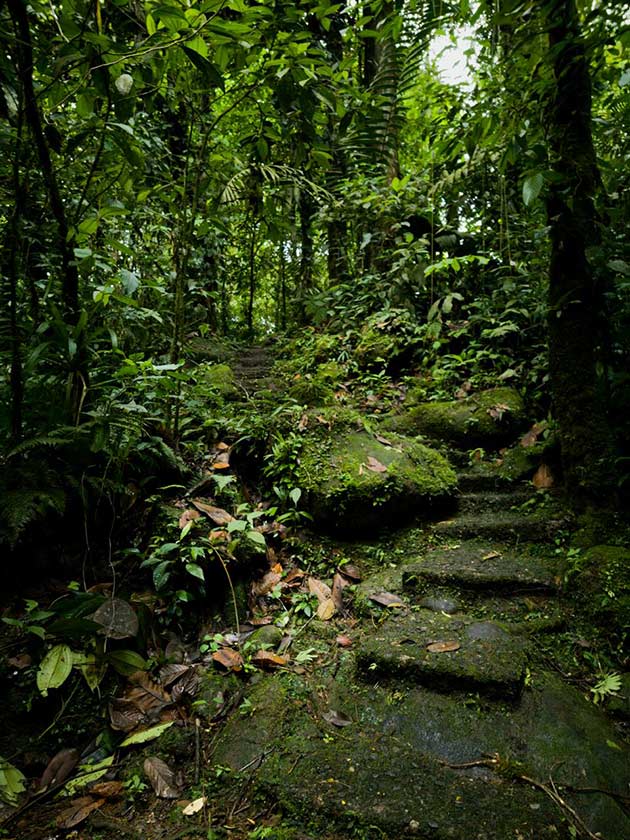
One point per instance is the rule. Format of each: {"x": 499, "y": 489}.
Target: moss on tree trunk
{"x": 575, "y": 299}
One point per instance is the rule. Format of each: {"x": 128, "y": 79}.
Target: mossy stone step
{"x": 486, "y": 658}
{"x": 504, "y": 526}
{"x": 479, "y": 565}
{"x": 483, "y": 502}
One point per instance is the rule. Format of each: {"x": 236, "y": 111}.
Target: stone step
{"x": 492, "y": 501}
{"x": 486, "y": 657}
{"x": 477, "y": 481}
{"x": 479, "y": 566}
{"x": 504, "y": 526}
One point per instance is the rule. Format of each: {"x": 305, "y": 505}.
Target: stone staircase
{"x": 252, "y": 368}
{"x": 447, "y": 707}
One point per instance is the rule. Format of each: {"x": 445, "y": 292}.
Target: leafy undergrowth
{"x": 116, "y": 694}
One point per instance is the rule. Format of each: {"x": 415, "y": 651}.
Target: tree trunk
{"x": 24, "y": 52}
{"x": 575, "y": 300}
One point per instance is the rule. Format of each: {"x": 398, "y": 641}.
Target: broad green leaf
{"x": 295, "y": 495}
{"x": 532, "y": 185}
{"x": 146, "y": 734}
{"x": 195, "y": 570}
{"x": 256, "y": 538}
{"x": 126, "y": 662}
{"x": 55, "y": 668}
{"x": 88, "y": 773}
{"x": 12, "y": 782}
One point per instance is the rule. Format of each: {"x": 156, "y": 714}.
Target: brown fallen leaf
{"x": 321, "y": 590}
{"x": 219, "y": 535}
{"x": 336, "y": 718}
{"x": 79, "y": 810}
{"x": 497, "y": 411}
{"x": 491, "y": 555}
{"x": 268, "y": 661}
{"x": 222, "y": 446}
{"x": 375, "y": 465}
{"x": 162, "y": 778}
{"x": 386, "y": 599}
{"x": 443, "y": 647}
{"x": 188, "y": 516}
{"x": 531, "y": 437}
{"x": 543, "y": 478}
{"x": 216, "y": 514}
{"x": 265, "y": 584}
{"x": 383, "y": 440}
{"x": 140, "y": 704}
{"x": 21, "y": 661}
{"x": 59, "y": 768}
{"x": 338, "y": 585}
{"x": 303, "y": 424}
{"x": 170, "y": 673}
{"x": 321, "y": 419}
{"x": 107, "y": 790}
{"x": 228, "y": 659}
{"x": 221, "y": 462}
{"x": 344, "y": 641}
{"x": 326, "y": 609}
{"x": 350, "y": 571}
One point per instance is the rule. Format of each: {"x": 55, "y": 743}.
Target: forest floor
{"x": 417, "y": 683}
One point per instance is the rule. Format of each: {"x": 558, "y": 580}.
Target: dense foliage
{"x": 174, "y": 174}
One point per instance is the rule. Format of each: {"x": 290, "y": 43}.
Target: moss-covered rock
{"x": 318, "y": 388}
{"x": 218, "y": 379}
{"x": 355, "y": 482}
{"x": 602, "y": 585}
{"x": 487, "y": 419}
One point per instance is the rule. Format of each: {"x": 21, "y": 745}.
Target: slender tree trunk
{"x": 24, "y": 52}
{"x": 575, "y": 299}
{"x": 252, "y": 280}
{"x": 11, "y": 266}
{"x": 306, "y": 209}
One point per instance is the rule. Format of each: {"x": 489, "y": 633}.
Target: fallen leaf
{"x": 320, "y": 589}
{"x": 443, "y": 647}
{"x": 294, "y": 577}
{"x": 228, "y": 659}
{"x": 188, "y": 516}
{"x": 383, "y": 440}
{"x": 350, "y": 571}
{"x": 162, "y": 778}
{"x": 78, "y": 811}
{"x": 375, "y": 465}
{"x": 221, "y": 462}
{"x": 222, "y": 446}
{"x": 326, "y": 610}
{"x": 108, "y": 790}
{"x": 218, "y": 535}
{"x": 531, "y": 437}
{"x": 491, "y": 555}
{"x": 216, "y": 514}
{"x": 170, "y": 673}
{"x": 139, "y": 705}
{"x": 117, "y": 619}
{"x": 338, "y": 585}
{"x": 21, "y": 661}
{"x": 336, "y": 718}
{"x": 386, "y": 599}
{"x": 344, "y": 641}
{"x": 268, "y": 661}
{"x": 194, "y": 806}
{"x": 59, "y": 768}
{"x": 497, "y": 411}
{"x": 303, "y": 424}
{"x": 265, "y": 584}
{"x": 543, "y": 478}
{"x": 321, "y": 419}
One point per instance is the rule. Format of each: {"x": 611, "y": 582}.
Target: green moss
{"x": 344, "y": 494}
{"x": 215, "y": 380}
{"x": 487, "y": 419}
{"x": 601, "y": 583}
{"x": 520, "y": 462}
{"x": 318, "y": 388}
